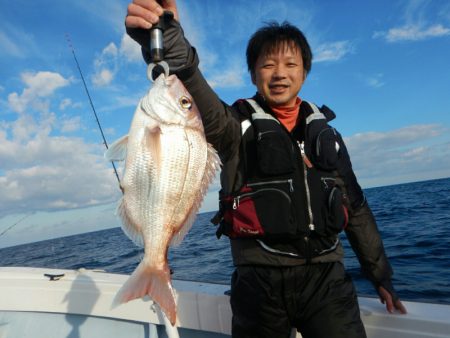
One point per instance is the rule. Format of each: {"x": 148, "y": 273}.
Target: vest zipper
{"x": 236, "y": 200}
{"x": 261, "y": 133}
{"x": 308, "y": 194}
{"x": 291, "y": 185}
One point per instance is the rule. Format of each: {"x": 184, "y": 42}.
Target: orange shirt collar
{"x": 288, "y": 115}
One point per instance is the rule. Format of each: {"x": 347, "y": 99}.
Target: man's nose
{"x": 279, "y": 72}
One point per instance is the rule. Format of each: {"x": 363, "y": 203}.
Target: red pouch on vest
{"x": 261, "y": 209}
{"x": 241, "y": 215}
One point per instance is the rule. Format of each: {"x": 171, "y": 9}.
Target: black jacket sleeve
{"x": 362, "y": 231}
{"x": 222, "y": 128}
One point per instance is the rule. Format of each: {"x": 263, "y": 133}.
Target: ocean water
{"x": 413, "y": 218}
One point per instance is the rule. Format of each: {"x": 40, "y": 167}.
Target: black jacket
{"x": 223, "y": 130}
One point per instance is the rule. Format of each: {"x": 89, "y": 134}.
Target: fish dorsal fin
{"x": 118, "y": 150}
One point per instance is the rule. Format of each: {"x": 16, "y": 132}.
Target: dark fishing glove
{"x": 387, "y": 284}
{"x": 178, "y": 52}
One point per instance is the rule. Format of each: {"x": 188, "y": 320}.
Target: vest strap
{"x": 316, "y": 115}
{"x": 259, "y": 112}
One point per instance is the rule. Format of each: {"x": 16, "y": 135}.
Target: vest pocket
{"x": 334, "y": 216}
{"x": 325, "y": 152}
{"x": 274, "y": 153}
{"x": 337, "y": 216}
{"x": 261, "y": 209}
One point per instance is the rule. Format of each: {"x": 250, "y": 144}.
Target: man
{"x": 288, "y": 188}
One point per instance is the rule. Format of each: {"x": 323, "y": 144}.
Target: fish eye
{"x": 185, "y": 102}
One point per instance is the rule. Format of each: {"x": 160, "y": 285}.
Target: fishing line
{"x": 13, "y": 225}
{"x": 91, "y": 103}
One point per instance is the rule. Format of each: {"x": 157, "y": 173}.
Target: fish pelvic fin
{"x": 129, "y": 226}
{"x": 147, "y": 281}
{"x": 118, "y": 150}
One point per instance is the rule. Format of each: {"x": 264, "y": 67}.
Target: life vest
{"x": 287, "y": 190}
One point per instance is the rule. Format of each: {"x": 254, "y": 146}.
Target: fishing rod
{"x": 92, "y": 104}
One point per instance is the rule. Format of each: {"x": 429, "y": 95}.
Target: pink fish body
{"x": 168, "y": 168}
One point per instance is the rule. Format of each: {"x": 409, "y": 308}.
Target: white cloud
{"x": 122, "y": 103}
{"x": 44, "y": 83}
{"x": 18, "y": 42}
{"x": 38, "y": 86}
{"x": 102, "y": 77}
{"x": 9, "y": 47}
{"x": 65, "y": 103}
{"x": 406, "y": 154}
{"x": 333, "y": 51}
{"x": 413, "y": 32}
{"x": 231, "y": 77}
{"x": 420, "y": 20}
{"x": 371, "y": 141}
{"x": 375, "y": 81}
{"x": 130, "y": 49}
{"x": 106, "y": 66}
{"x": 109, "y": 131}
{"x": 41, "y": 171}
{"x": 71, "y": 124}
{"x": 110, "y": 50}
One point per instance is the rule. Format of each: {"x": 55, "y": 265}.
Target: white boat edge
{"x": 202, "y": 307}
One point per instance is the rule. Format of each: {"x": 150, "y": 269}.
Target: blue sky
{"x": 382, "y": 66}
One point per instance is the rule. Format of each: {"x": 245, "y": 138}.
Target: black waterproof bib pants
{"x": 317, "y": 299}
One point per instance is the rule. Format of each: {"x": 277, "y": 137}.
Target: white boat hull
{"x": 79, "y": 305}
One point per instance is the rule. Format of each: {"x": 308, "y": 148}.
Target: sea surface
{"x": 413, "y": 219}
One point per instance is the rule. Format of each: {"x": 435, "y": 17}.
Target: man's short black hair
{"x": 273, "y": 36}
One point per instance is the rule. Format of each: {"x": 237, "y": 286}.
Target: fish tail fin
{"x": 146, "y": 281}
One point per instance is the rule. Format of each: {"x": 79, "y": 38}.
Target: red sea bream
{"x": 168, "y": 167}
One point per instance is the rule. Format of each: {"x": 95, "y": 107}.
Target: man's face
{"x": 279, "y": 76}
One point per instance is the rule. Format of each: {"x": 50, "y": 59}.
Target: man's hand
{"x": 391, "y": 304}
{"x": 145, "y": 13}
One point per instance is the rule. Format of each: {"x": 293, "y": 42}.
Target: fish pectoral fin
{"x": 118, "y": 150}
{"x": 153, "y": 128}
{"x": 153, "y": 142}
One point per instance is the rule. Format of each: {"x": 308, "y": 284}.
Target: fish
{"x": 168, "y": 168}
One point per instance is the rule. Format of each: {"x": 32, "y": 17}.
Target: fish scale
{"x": 168, "y": 167}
